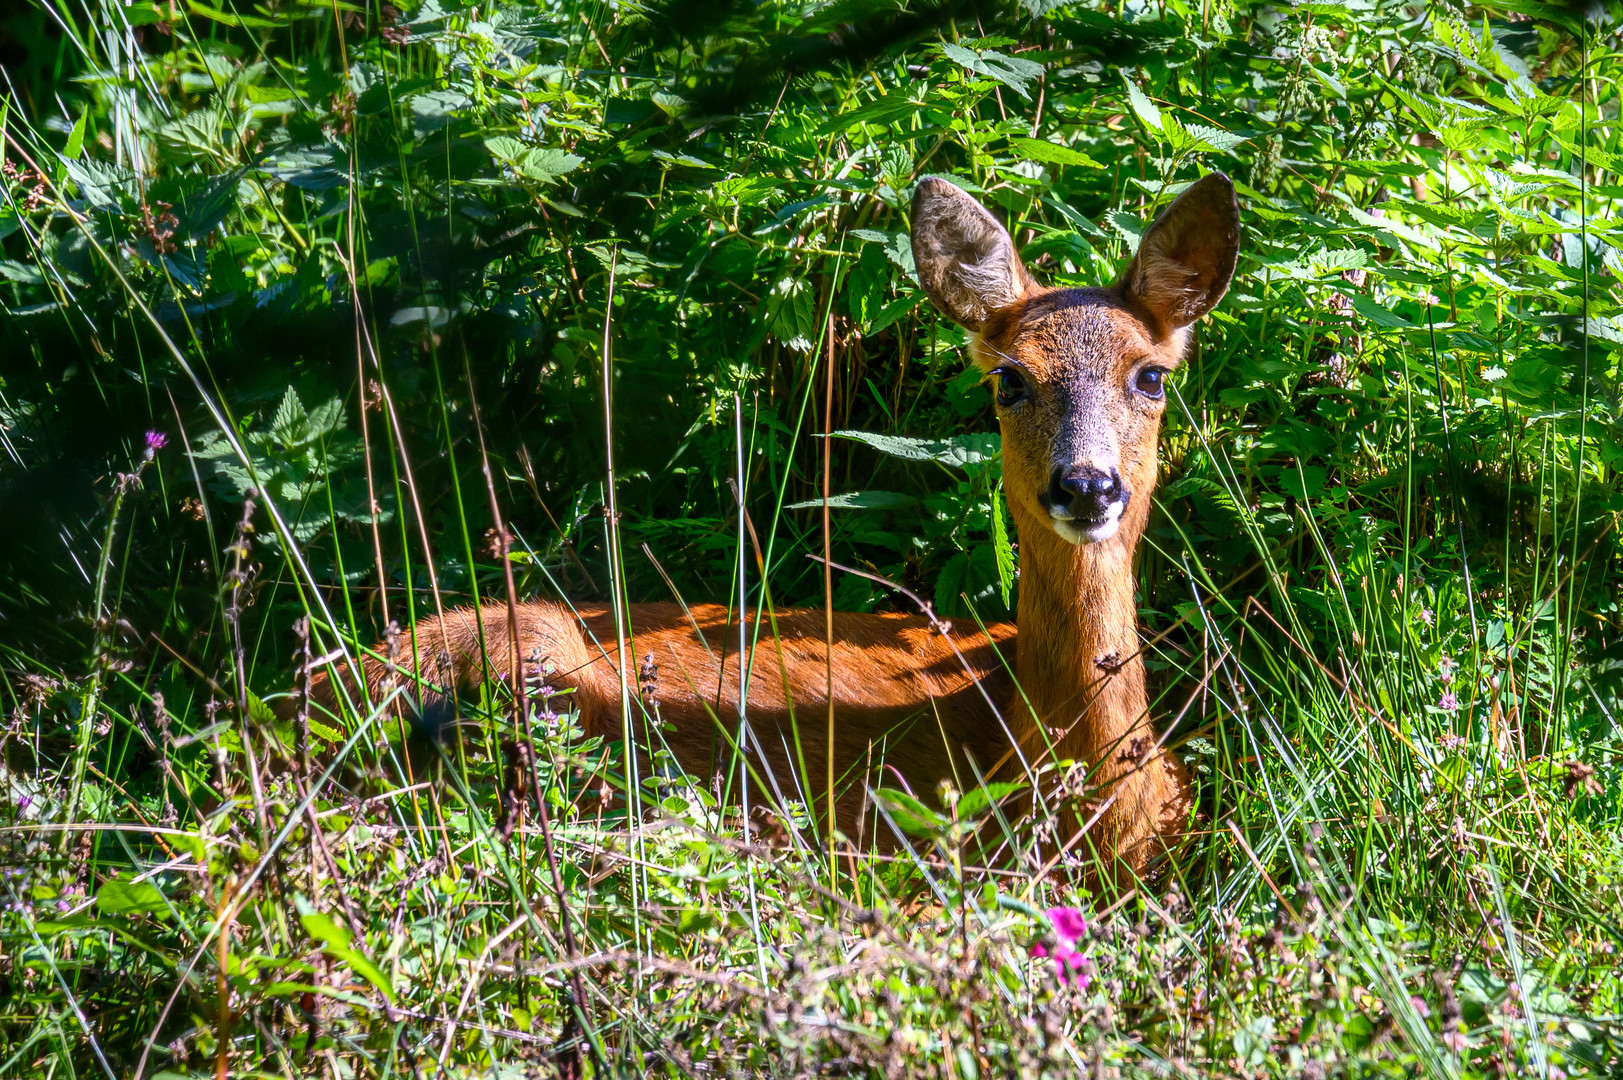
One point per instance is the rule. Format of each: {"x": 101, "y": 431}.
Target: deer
{"x": 1079, "y": 379}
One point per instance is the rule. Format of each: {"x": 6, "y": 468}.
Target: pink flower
{"x": 1069, "y": 927}
{"x": 155, "y": 441}
{"x": 1425, "y": 615}
{"x": 1448, "y": 702}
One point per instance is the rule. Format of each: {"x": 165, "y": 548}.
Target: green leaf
{"x": 859, "y": 500}
{"x": 76, "y": 137}
{"x": 1128, "y": 227}
{"x": 1366, "y": 306}
{"x": 1215, "y": 138}
{"x": 881, "y": 112}
{"x": 982, "y": 798}
{"x": 103, "y": 185}
{"x": 335, "y": 941}
{"x": 258, "y": 711}
{"x": 1143, "y": 107}
{"x": 1001, "y": 548}
{"x": 909, "y": 814}
{"x": 22, "y": 273}
{"x": 544, "y": 164}
{"x": 1015, "y": 73}
{"x": 129, "y": 898}
{"x": 1050, "y": 153}
{"x": 958, "y": 451}
{"x": 229, "y": 19}
{"x": 898, "y": 248}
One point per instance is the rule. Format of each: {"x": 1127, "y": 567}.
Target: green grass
{"x": 356, "y": 266}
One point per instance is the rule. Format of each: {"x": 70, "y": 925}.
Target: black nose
{"x": 1087, "y": 491}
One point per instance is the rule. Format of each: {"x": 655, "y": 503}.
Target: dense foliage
{"x": 305, "y": 305}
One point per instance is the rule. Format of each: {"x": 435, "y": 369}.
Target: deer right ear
{"x": 1187, "y": 257}
{"x": 965, "y": 259}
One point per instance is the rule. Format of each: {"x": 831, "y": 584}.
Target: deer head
{"x": 1080, "y": 374}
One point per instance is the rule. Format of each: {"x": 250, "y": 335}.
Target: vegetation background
{"x": 304, "y": 302}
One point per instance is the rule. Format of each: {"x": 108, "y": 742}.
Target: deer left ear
{"x": 965, "y": 259}
{"x": 1186, "y": 259}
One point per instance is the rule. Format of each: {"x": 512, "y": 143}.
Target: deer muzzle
{"x": 1085, "y": 503}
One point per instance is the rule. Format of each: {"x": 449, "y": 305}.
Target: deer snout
{"x": 1085, "y": 503}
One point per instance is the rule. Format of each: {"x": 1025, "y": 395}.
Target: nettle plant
{"x": 305, "y": 460}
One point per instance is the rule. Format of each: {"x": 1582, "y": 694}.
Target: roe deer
{"x": 1080, "y": 389}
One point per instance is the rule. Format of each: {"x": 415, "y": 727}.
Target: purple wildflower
{"x": 1448, "y": 702}
{"x": 1069, "y": 927}
{"x": 155, "y": 441}
{"x": 1425, "y": 615}
{"x": 1451, "y": 741}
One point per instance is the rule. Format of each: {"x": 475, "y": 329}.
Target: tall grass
{"x": 500, "y": 301}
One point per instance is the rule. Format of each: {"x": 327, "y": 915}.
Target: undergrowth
{"x": 306, "y": 315}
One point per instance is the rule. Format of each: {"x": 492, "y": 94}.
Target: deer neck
{"x": 1078, "y": 657}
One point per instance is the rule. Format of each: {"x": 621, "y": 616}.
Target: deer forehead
{"x": 1069, "y": 336}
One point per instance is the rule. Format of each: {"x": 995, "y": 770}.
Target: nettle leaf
{"x": 957, "y": 452}
{"x": 898, "y": 248}
{"x": 541, "y": 163}
{"x": 1215, "y": 138}
{"x": 1011, "y": 71}
{"x": 1305, "y": 482}
{"x": 1143, "y": 107}
{"x": 201, "y": 212}
{"x": 437, "y": 108}
{"x": 792, "y": 314}
{"x": 291, "y": 420}
{"x": 859, "y": 500}
{"x": 102, "y": 184}
{"x": 1050, "y": 153}
{"x": 22, "y": 273}
{"x": 313, "y": 168}
{"x": 1333, "y": 262}
{"x": 1128, "y": 227}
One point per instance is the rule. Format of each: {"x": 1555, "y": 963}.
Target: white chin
{"x": 1075, "y": 533}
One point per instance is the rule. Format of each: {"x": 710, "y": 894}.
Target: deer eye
{"x": 1151, "y": 382}
{"x": 1011, "y": 386}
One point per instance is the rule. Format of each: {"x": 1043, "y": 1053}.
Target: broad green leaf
{"x": 118, "y": 897}
{"x": 1051, "y": 153}
{"x": 909, "y": 814}
{"x": 859, "y": 500}
{"x": 1012, "y": 71}
{"x": 980, "y": 799}
{"x": 1377, "y": 314}
{"x": 1143, "y": 107}
{"x": 958, "y": 451}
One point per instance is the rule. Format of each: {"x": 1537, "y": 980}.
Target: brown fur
{"x": 905, "y": 704}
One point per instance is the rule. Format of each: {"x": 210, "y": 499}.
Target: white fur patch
{"x": 1073, "y": 532}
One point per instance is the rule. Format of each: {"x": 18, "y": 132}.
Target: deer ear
{"x": 965, "y": 259}
{"x": 1186, "y": 259}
